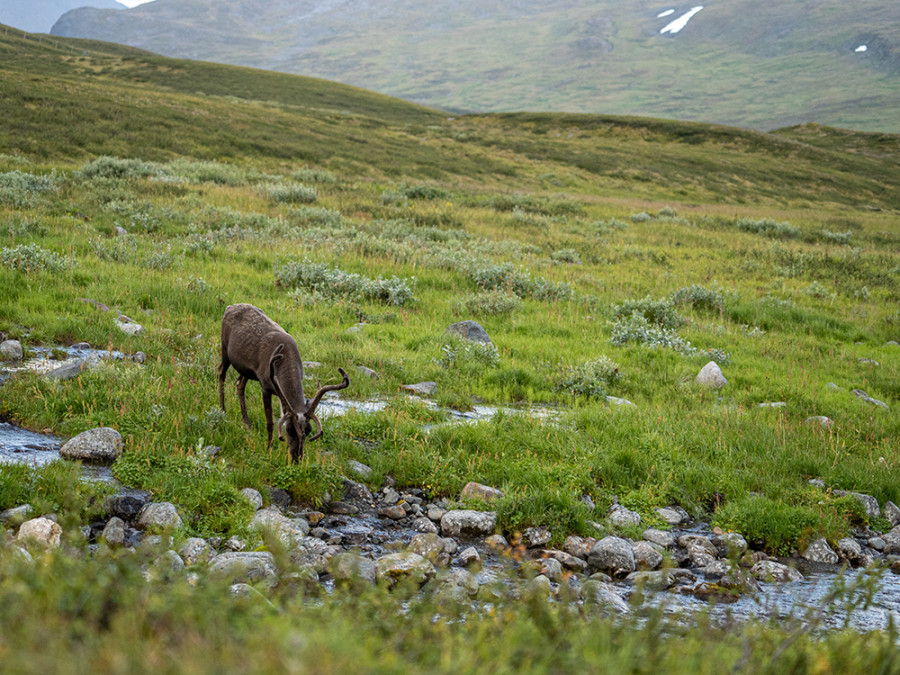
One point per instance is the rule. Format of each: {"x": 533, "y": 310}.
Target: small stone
{"x": 469, "y": 556}
{"x": 16, "y": 515}
{"x": 360, "y": 469}
{"x": 602, "y": 594}
{"x": 352, "y": 569}
{"x": 622, "y": 517}
{"x": 671, "y": 515}
{"x": 877, "y": 543}
{"x": 473, "y": 490}
{"x": 114, "y": 532}
{"x": 390, "y": 496}
{"x": 469, "y": 330}
{"x": 773, "y": 404}
{"x": 659, "y": 537}
{"x": 534, "y": 537}
{"x": 423, "y": 524}
{"x": 435, "y": 512}
{"x": 253, "y": 497}
{"x": 619, "y": 402}
{"x": 139, "y": 357}
{"x": 129, "y": 327}
{"x": 849, "y": 549}
{"x": 394, "y": 567}
{"x": 711, "y": 376}
{"x": 342, "y": 508}
{"x": 195, "y": 550}
{"x": 869, "y": 502}
{"x": 645, "y": 556}
{"x": 429, "y": 546}
{"x": 368, "y": 372}
{"x": 892, "y": 512}
{"x": 820, "y": 420}
{"x": 395, "y": 512}
{"x": 11, "y": 350}
{"x": 421, "y": 388}
{"x": 273, "y": 522}
{"x": 250, "y": 567}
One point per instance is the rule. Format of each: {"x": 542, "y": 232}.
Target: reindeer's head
{"x": 298, "y": 413}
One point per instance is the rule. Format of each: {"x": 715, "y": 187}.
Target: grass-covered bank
{"x": 70, "y": 616}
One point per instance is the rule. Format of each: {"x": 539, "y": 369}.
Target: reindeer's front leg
{"x": 267, "y": 406}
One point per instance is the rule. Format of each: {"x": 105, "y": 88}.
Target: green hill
{"x": 735, "y": 62}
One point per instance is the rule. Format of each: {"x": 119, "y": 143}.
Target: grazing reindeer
{"x": 261, "y": 350}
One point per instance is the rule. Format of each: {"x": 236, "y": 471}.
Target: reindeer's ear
{"x": 275, "y": 359}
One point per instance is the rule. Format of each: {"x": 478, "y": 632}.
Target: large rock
{"x": 603, "y": 595}
{"x": 612, "y": 555}
{"x": 252, "y": 495}
{"x": 622, "y": 517}
{"x": 646, "y": 557}
{"x": 16, "y": 515}
{"x": 868, "y": 501}
{"x": 711, "y": 376}
{"x": 39, "y": 534}
{"x": 769, "y": 570}
{"x": 466, "y": 523}
{"x": 114, "y": 532}
{"x": 429, "y": 546}
{"x": 820, "y": 552}
{"x": 159, "y": 516}
{"x": 311, "y": 553}
{"x": 11, "y": 350}
{"x": 469, "y": 330}
{"x": 255, "y": 566}
{"x": 352, "y": 569}
{"x": 659, "y": 537}
{"x": 892, "y": 541}
{"x": 395, "y": 567}
{"x": 892, "y": 513}
{"x": 94, "y": 445}
{"x": 279, "y": 526}
{"x": 196, "y": 551}
{"x": 421, "y": 388}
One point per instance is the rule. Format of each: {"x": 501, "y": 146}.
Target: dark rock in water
{"x": 469, "y": 330}
{"x": 127, "y": 507}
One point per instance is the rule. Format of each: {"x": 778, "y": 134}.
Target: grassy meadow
{"x": 604, "y": 256}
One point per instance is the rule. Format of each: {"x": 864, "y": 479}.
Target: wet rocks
{"x": 619, "y": 516}
{"x": 613, "y": 555}
{"x": 820, "y": 552}
{"x": 240, "y": 567}
{"x": 395, "y": 567}
{"x": 467, "y": 523}
{"x": 771, "y": 571}
{"x": 103, "y": 444}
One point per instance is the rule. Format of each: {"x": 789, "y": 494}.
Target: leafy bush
{"x": 331, "y": 282}
{"x": 488, "y": 303}
{"x": 32, "y": 258}
{"x": 290, "y": 193}
{"x": 566, "y": 255}
{"x": 641, "y": 217}
{"x": 836, "y": 237}
{"x": 314, "y": 215}
{"x": 699, "y": 297}
{"x": 21, "y": 190}
{"x": 114, "y": 167}
{"x": 118, "y": 249}
{"x": 768, "y": 228}
{"x": 206, "y": 172}
{"x": 423, "y": 192}
{"x": 658, "y": 312}
{"x": 639, "y": 330}
{"x": 540, "y": 205}
{"x": 589, "y": 379}
{"x": 505, "y": 277}
{"x": 459, "y": 353}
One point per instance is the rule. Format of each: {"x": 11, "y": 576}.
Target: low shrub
{"x": 22, "y": 190}
{"x": 459, "y": 353}
{"x": 115, "y": 167}
{"x": 488, "y": 303}
{"x": 290, "y": 193}
{"x": 589, "y": 379}
{"x": 320, "y": 176}
{"x": 323, "y": 281}
{"x": 699, "y": 297}
{"x": 32, "y": 258}
{"x": 767, "y": 227}
{"x": 660, "y": 312}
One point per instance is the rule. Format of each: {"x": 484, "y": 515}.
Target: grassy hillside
{"x": 789, "y": 63}
{"x": 605, "y": 256}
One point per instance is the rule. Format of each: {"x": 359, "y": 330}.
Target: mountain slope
{"x": 38, "y": 16}
{"x": 733, "y": 63}
{"x": 72, "y": 100}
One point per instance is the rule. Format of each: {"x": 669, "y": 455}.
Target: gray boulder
{"x": 429, "y": 546}
{"x": 469, "y": 330}
{"x": 868, "y": 501}
{"x": 711, "y": 376}
{"x": 468, "y": 523}
{"x": 16, "y": 515}
{"x": 11, "y": 350}
{"x": 659, "y": 537}
{"x": 39, "y": 534}
{"x": 612, "y": 555}
{"x": 536, "y": 536}
{"x": 368, "y": 372}
{"x": 769, "y": 570}
{"x": 820, "y": 552}
{"x": 473, "y": 490}
{"x": 196, "y": 551}
{"x": 94, "y": 445}
{"x": 673, "y": 515}
{"x": 352, "y": 569}
{"x": 892, "y": 513}
{"x": 114, "y": 532}
{"x": 603, "y": 595}
{"x": 891, "y": 541}
{"x": 253, "y": 497}
{"x": 622, "y": 517}
{"x": 646, "y": 557}
{"x": 128, "y": 326}
{"x": 421, "y": 388}
{"x": 288, "y": 532}
{"x": 849, "y": 549}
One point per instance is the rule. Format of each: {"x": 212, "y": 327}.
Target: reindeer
{"x": 259, "y": 349}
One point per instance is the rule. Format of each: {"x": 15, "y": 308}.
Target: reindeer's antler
{"x": 311, "y": 407}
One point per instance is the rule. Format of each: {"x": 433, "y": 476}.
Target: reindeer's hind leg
{"x": 241, "y": 384}
{"x": 223, "y": 368}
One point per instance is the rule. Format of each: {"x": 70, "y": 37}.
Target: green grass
{"x": 552, "y": 244}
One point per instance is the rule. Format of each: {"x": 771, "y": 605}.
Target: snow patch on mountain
{"x": 861, "y": 49}
{"x": 682, "y": 21}
{"x": 668, "y": 12}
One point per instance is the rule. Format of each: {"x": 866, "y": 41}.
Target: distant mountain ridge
{"x": 38, "y": 16}
{"x": 734, "y": 62}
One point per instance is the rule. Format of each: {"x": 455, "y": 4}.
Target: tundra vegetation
{"x": 604, "y": 256}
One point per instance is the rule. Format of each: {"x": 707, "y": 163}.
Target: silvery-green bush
{"x": 32, "y": 258}
{"x": 305, "y": 276}
{"x": 590, "y": 379}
